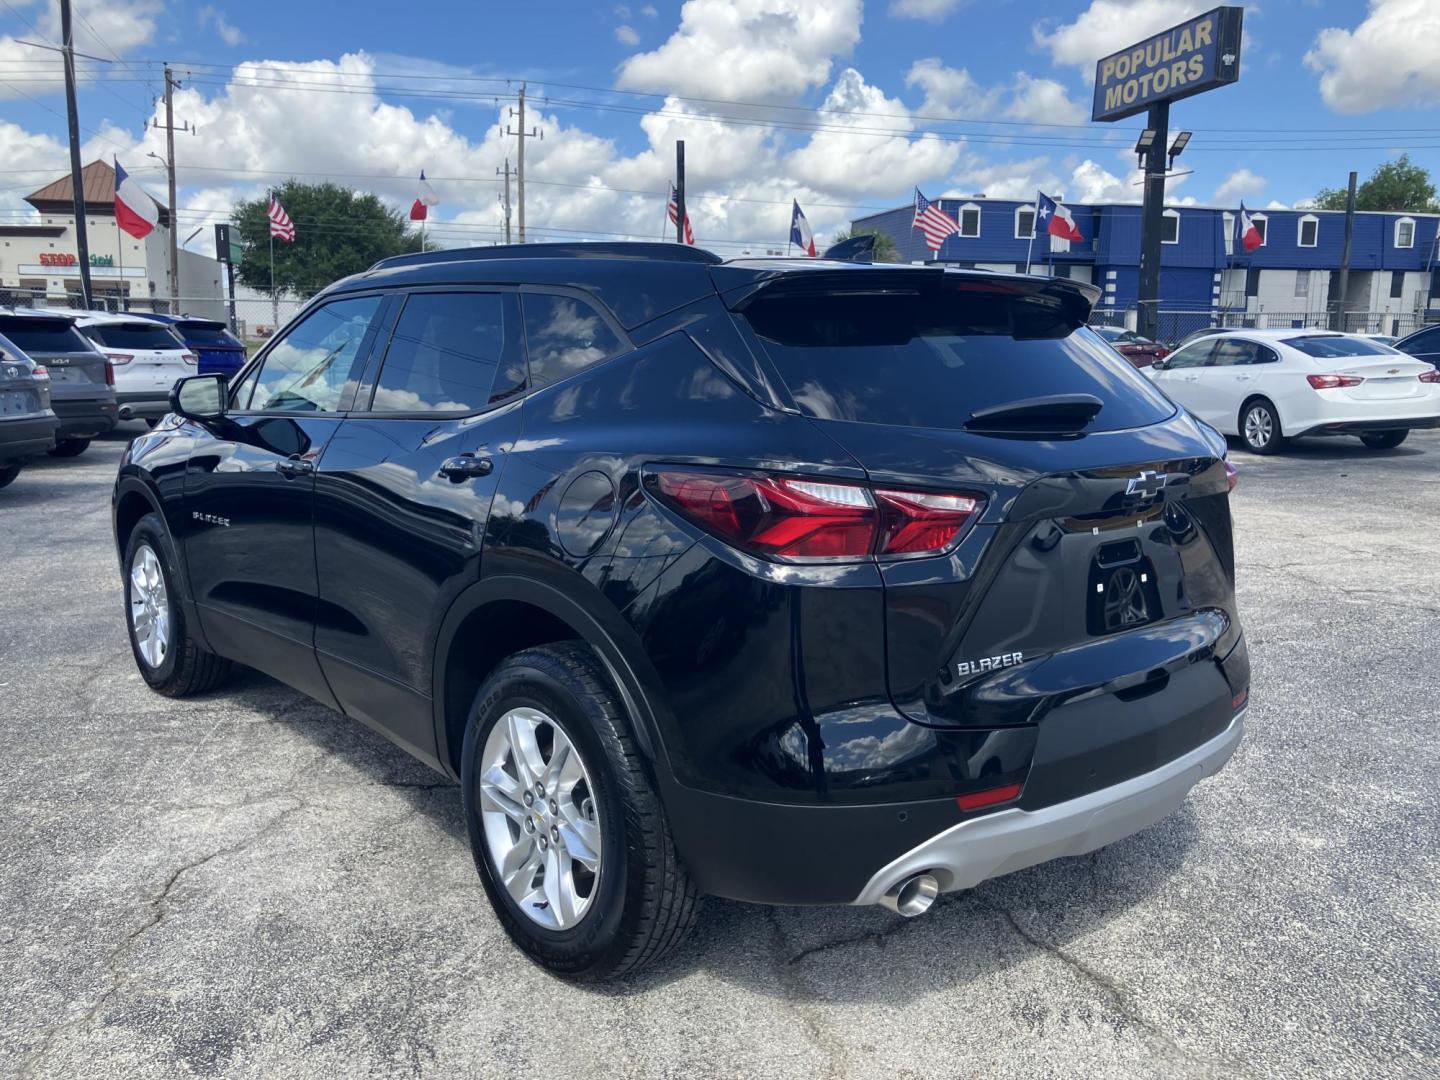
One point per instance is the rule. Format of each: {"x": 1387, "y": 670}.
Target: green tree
{"x": 885, "y": 249}
{"x": 338, "y": 232}
{"x": 1397, "y": 185}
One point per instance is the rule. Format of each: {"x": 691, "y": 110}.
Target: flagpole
{"x": 1034, "y": 224}
{"x": 120, "y": 263}
{"x": 274, "y": 299}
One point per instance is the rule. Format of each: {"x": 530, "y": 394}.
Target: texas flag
{"x": 1249, "y": 234}
{"x": 426, "y": 199}
{"x": 800, "y": 234}
{"x": 135, "y": 212}
{"x": 1056, "y": 216}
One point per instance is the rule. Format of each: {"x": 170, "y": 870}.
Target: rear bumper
{"x": 25, "y": 436}
{"x": 143, "y": 403}
{"x": 973, "y": 851}
{"x": 84, "y": 417}
{"x": 1356, "y": 427}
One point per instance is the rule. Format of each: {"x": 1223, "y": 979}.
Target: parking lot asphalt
{"x": 246, "y": 884}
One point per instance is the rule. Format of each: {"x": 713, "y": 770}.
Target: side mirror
{"x": 1161, "y": 364}
{"x": 199, "y": 397}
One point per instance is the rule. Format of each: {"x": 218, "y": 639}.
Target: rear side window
{"x": 1335, "y": 346}
{"x": 563, "y": 335}
{"x": 932, "y": 358}
{"x": 45, "y": 335}
{"x": 132, "y": 336}
{"x": 444, "y": 354}
{"x": 208, "y": 334}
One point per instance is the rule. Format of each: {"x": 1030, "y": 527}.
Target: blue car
{"x": 220, "y": 351}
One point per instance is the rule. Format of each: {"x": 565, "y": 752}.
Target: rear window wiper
{"x": 1054, "y": 415}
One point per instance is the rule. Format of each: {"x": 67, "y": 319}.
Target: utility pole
{"x": 521, "y": 135}
{"x": 680, "y": 191}
{"x": 1152, "y": 218}
{"x": 170, "y": 129}
{"x": 1337, "y": 320}
{"x": 505, "y": 199}
{"x": 82, "y": 240}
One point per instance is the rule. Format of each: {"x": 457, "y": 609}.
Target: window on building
{"x": 565, "y": 335}
{"x": 1262, "y": 225}
{"x": 1302, "y": 284}
{"x": 1227, "y": 226}
{"x": 1397, "y": 284}
{"x": 443, "y": 355}
{"x": 1025, "y": 223}
{"x": 1170, "y": 227}
{"x": 1405, "y": 233}
{"x": 969, "y": 220}
{"x": 1309, "y": 231}
{"x": 1252, "y": 281}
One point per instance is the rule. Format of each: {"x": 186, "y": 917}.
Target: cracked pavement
{"x": 245, "y": 884}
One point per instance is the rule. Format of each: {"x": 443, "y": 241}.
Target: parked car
{"x": 790, "y": 581}
{"x": 147, "y": 358}
{"x": 1196, "y": 335}
{"x": 1268, "y": 386}
{"x": 1423, "y": 344}
{"x": 219, "y": 351}
{"x": 1140, "y": 351}
{"x": 82, "y": 383}
{"x": 1381, "y": 339}
{"x": 27, "y": 423}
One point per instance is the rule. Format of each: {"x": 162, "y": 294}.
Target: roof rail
{"x": 604, "y": 250}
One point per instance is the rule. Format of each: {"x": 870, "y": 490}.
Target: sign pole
{"x": 1152, "y": 220}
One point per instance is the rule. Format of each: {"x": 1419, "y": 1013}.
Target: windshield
{"x": 1334, "y": 345}
{"x": 132, "y": 336}
{"x": 933, "y": 358}
{"x": 39, "y": 335}
{"x": 208, "y": 333}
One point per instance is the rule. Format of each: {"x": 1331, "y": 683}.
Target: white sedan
{"x": 1267, "y": 386}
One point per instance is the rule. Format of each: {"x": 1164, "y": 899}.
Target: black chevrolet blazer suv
{"x": 790, "y": 581}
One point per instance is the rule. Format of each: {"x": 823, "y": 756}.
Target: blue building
{"x": 1206, "y": 275}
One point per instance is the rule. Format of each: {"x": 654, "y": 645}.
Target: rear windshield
{"x": 132, "y": 336}
{"x": 1328, "y": 347}
{"x": 37, "y": 335}
{"x": 207, "y": 333}
{"x": 932, "y": 359}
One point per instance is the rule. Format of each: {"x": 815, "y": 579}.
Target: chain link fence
{"x": 1173, "y": 325}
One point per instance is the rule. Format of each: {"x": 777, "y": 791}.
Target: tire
{"x": 640, "y": 902}
{"x": 1260, "y": 427}
{"x": 182, "y": 667}
{"x": 68, "y": 448}
{"x": 9, "y": 471}
{"x": 1384, "y": 440}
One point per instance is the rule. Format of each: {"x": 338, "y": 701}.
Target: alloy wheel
{"x": 537, "y": 808}
{"x": 1259, "y": 426}
{"x": 149, "y": 606}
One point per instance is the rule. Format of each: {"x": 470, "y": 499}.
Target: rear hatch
{"x": 1386, "y": 374}
{"x": 1094, "y": 594}
{"x": 147, "y": 357}
{"x": 218, "y": 349}
{"x": 23, "y": 393}
{"x": 76, "y": 370}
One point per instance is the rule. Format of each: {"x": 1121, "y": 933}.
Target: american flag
{"x": 281, "y": 227}
{"x": 674, "y": 208}
{"x": 933, "y": 222}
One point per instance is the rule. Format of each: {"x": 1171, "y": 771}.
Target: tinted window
{"x": 45, "y": 335}
{"x": 1230, "y": 351}
{"x": 206, "y": 333}
{"x": 132, "y": 336}
{"x": 564, "y": 335}
{"x": 444, "y": 354}
{"x": 307, "y": 370}
{"x": 1193, "y": 355}
{"x": 1424, "y": 342}
{"x": 1326, "y": 347}
{"x": 931, "y": 359}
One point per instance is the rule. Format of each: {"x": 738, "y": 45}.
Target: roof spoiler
{"x": 859, "y": 248}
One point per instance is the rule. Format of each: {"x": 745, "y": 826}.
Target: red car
{"x": 1140, "y": 351}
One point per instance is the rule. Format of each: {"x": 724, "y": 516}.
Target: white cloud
{"x": 1107, "y": 26}
{"x": 929, "y": 10}
{"x": 118, "y": 25}
{"x": 756, "y": 50}
{"x": 950, "y": 91}
{"x": 1042, "y": 101}
{"x": 649, "y": 11}
{"x": 210, "y": 15}
{"x": 1240, "y": 184}
{"x": 626, "y": 35}
{"x": 1390, "y": 59}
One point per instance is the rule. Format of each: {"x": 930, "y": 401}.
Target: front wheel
{"x": 566, "y": 828}
{"x": 9, "y": 471}
{"x": 1260, "y": 428}
{"x": 69, "y": 448}
{"x": 1384, "y": 440}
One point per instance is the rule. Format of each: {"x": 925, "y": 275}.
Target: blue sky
{"x": 369, "y": 93}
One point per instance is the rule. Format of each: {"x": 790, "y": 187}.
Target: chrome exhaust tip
{"x": 913, "y": 896}
{"x": 126, "y": 412}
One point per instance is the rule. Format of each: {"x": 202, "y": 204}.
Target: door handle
{"x": 295, "y": 466}
{"x": 465, "y": 467}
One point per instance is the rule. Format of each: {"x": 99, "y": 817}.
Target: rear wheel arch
{"x": 502, "y": 615}
{"x": 1251, "y": 400}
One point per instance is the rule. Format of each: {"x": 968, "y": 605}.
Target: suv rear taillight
{"x": 41, "y": 371}
{"x": 1330, "y": 382}
{"x": 808, "y": 519}
{"x": 109, "y": 373}
{"x": 120, "y": 358}
{"x": 1433, "y": 375}
{"x": 190, "y": 358}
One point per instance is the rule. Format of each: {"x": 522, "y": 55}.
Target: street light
{"x": 1181, "y": 141}
{"x": 1144, "y": 144}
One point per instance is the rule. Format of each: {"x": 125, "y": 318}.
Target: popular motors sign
{"x": 1198, "y": 55}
